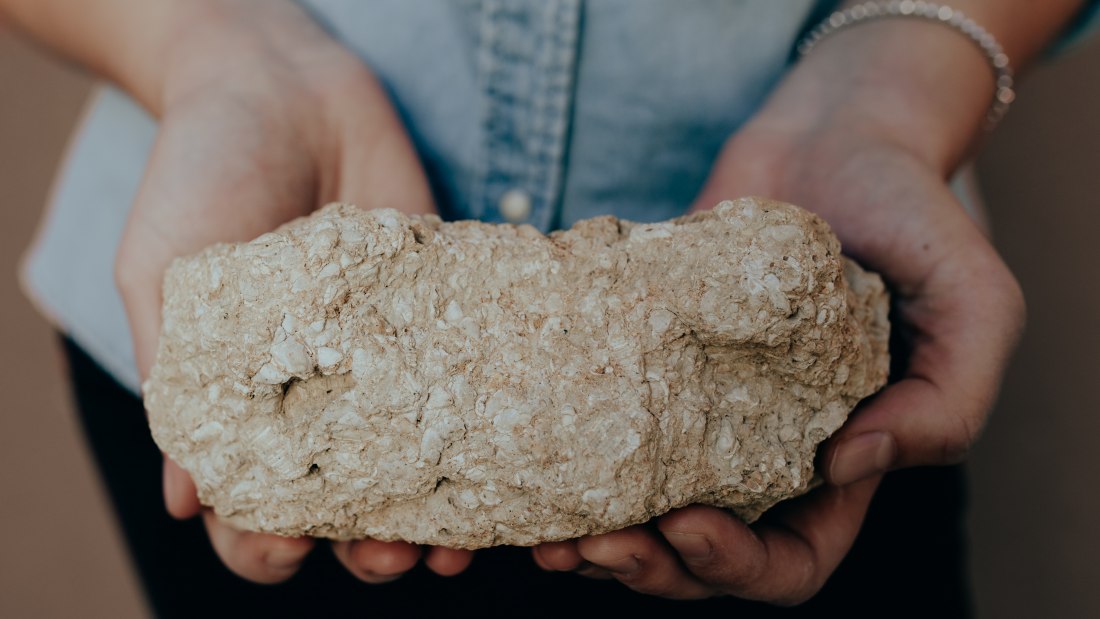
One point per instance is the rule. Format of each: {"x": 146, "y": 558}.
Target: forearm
{"x": 921, "y": 85}
{"x": 146, "y": 47}
{"x": 121, "y": 40}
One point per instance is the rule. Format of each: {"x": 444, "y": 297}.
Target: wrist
{"x": 920, "y": 85}
{"x": 238, "y": 44}
{"x": 927, "y": 86}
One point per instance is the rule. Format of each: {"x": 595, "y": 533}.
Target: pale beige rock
{"x": 363, "y": 373}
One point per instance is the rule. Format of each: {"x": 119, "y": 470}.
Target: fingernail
{"x": 691, "y": 546}
{"x": 283, "y": 558}
{"x": 625, "y": 566}
{"x": 861, "y": 457}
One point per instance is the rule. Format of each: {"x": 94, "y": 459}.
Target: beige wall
{"x": 1034, "y": 517}
{"x": 1036, "y": 510}
{"x": 59, "y": 550}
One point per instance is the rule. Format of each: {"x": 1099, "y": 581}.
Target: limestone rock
{"x": 367, "y": 374}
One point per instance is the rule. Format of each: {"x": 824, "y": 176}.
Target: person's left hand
{"x": 959, "y": 308}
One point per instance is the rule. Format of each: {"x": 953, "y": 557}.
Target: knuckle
{"x": 808, "y": 583}
{"x": 610, "y": 548}
{"x": 1012, "y": 300}
{"x": 994, "y": 280}
{"x": 956, "y": 442}
{"x": 1017, "y": 301}
{"x": 739, "y": 578}
{"x": 652, "y": 580}
{"x": 129, "y": 271}
{"x": 247, "y": 564}
{"x": 249, "y": 557}
{"x": 955, "y": 446}
{"x": 124, "y": 273}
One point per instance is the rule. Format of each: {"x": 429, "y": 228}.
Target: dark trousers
{"x": 908, "y": 561}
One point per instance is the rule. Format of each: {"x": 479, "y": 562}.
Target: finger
{"x": 639, "y": 559}
{"x": 180, "y": 496}
{"x": 539, "y": 562}
{"x": 448, "y": 561}
{"x": 258, "y": 557}
{"x": 377, "y": 562}
{"x": 180, "y": 205}
{"x": 558, "y": 556}
{"x": 965, "y": 322}
{"x": 594, "y": 572}
{"x": 563, "y": 557}
{"x": 378, "y": 165}
{"x": 782, "y": 563}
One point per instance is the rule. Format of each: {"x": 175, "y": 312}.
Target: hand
{"x": 957, "y": 306}
{"x": 263, "y": 120}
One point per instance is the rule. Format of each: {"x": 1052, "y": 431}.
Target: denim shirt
{"x": 540, "y": 112}
{"x": 605, "y": 106}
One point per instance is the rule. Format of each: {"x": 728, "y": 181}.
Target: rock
{"x": 368, "y": 374}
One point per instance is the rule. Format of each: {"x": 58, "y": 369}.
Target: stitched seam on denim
{"x": 553, "y": 110}
{"x": 526, "y": 58}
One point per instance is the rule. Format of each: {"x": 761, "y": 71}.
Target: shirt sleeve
{"x": 1078, "y": 31}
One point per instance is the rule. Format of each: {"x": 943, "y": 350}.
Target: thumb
{"x": 964, "y": 325}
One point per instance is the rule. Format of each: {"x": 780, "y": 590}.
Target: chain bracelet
{"x": 932, "y": 11}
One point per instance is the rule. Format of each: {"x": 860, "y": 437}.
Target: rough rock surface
{"x": 367, "y": 374}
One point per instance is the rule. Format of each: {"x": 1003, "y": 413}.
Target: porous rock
{"x": 370, "y": 374}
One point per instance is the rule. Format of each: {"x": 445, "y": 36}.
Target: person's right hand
{"x": 263, "y": 118}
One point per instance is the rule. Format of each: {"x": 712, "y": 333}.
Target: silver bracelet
{"x": 939, "y": 13}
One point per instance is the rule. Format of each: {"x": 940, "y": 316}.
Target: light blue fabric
{"x": 604, "y": 106}
{"x": 1084, "y": 25}
{"x": 589, "y": 107}
{"x": 70, "y": 271}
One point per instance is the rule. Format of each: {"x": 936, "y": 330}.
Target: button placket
{"x": 526, "y": 61}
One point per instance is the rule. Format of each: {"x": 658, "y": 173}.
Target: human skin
{"x": 258, "y": 109}
{"x": 865, "y": 131}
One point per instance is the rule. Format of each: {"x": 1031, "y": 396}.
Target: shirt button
{"x": 515, "y": 205}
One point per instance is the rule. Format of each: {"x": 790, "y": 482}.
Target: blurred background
{"x": 1033, "y": 517}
